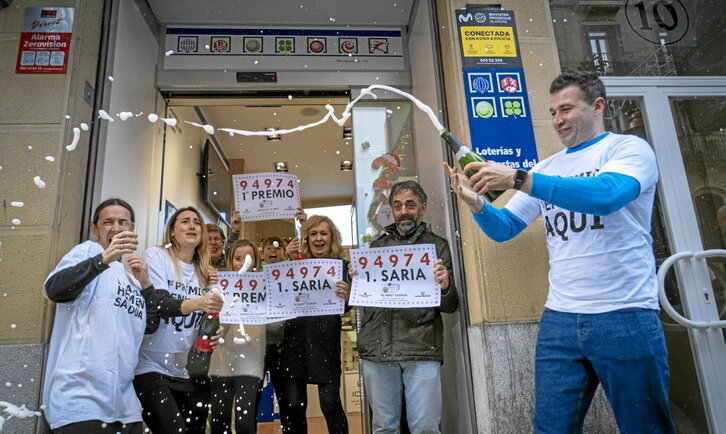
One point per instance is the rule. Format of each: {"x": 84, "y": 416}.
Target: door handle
{"x": 666, "y": 305}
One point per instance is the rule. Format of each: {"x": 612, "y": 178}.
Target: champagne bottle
{"x": 464, "y": 156}
{"x": 201, "y": 352}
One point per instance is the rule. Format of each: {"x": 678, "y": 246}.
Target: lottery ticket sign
{"x": 304, "y": 288}
{"x": 266, "y": 196}
{"x": 400, "y": 276}
{"x": 245, "y": 298}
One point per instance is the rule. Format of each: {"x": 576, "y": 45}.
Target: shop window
{"x": 640, "y": 37}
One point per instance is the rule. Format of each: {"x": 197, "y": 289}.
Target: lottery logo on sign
{"x": 221, "y": 44}
{"x": 252, "y": 45}
{"x": 348, "y": 45}
{"x": 480, "y": 82}
{"x": 509, "y": 83}
{"x": 316, "y": 45}
{"x": 512, "y": 107}
{"x": 378, "y": 45}
{"x": 484, "y": 108}
{"x": 187, "y": 44}
{"x": 285, "y": 45}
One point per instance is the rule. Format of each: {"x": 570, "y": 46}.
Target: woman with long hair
{"x": 311, "y": 344}
{"x": 171, "y": 401}
{"x": 100, "y": 320}
{"x": 236, "y": 369}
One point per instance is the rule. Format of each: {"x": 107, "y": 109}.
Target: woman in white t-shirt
{"x": 100, "y": 319}
{"x": 171, "y": 401}
{"x": 236, "y": 370}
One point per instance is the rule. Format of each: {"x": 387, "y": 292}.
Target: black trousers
{"x": 293, "y": 400}
{"x": 167, "y": 408}
{"x": 242, "y": 390}
{"x": 100, "y": 427}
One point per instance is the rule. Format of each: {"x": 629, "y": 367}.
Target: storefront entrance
{"x": 685, "y": 121}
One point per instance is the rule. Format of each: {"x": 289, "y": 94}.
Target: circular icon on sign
{"x": 480, "y": 84}
{"x": 317, "y": 47}
{"x": 484, "y": 109}
{"x": 348, "y": 47}
{"x": 658, "y": 21}
{"x": 480, "y": 17}
{"x": 252, "y": 45}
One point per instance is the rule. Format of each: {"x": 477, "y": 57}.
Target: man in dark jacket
{"x": 401, "y": 350}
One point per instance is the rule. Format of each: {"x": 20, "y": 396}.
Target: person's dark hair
{"x": 407, "y": 185}
{"x": 271, "y": 240}
{"x": 111, "y": 202}
{"x": 587, "y": 81}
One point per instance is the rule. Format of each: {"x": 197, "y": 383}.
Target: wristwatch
{"x": 519, "y": 178}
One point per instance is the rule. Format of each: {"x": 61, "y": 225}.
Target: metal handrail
{"x": 668, "y": 263}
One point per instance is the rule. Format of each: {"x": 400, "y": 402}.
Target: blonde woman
{"x": 236, "y": 370}
{"x": 169, "y": 398}
{"x": 311, "y": 344}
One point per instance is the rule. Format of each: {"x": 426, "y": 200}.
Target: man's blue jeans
{"x": 420, "y": 380}
{"x": 624, "y": 350}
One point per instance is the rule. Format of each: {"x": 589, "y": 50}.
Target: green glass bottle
{"x": 464, "y": 156}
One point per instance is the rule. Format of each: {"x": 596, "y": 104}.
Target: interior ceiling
{"x": 314, "y": 154}
{"x": 283, "y": 12}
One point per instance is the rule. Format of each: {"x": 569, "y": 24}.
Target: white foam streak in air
{"x": 104, "y": 115}
{"x": 76, "y": 137}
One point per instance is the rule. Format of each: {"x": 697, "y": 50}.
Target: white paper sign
{"x": 399, "y": 276}
{"x": 266, "y": 196}
{"x": 245, "y": 298}
{"x": 304, "y": 288}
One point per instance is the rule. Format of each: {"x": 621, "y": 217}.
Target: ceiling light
{"x": 281, "y": 166}
{"x": 346, "y": 165}
{"x": 272, "y": 136}
{"x": 347, "y": 132}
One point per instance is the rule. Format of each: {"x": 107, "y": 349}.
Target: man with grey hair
{"x": 401, "y": 350}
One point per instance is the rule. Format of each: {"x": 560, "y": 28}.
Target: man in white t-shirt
{"x": 600, "y": 324}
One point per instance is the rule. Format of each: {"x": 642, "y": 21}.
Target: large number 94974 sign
{"x": 400, "y": 276}
{"x": 304, "y": 288}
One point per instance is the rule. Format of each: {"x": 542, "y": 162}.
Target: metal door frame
{"x": 707, "y": 344}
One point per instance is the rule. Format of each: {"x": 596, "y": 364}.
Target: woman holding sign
{"x": 236, "y": 369}
{"x": 90, "y": 368}
{"x": 170, "y": 399}
{"x": 311, "y": 344}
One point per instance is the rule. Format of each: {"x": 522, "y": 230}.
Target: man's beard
{"x": 405, "y": 226}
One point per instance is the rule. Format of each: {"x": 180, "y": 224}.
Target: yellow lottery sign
{"x": 480, "y": 41}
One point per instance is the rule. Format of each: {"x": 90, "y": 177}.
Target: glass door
{"x": 685, "y": 121}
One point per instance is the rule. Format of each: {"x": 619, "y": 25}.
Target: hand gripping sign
{"x": 400, "y": 276}
{"x": 266, "y": 196}
{"x": 245, "y": 298}
{"x": 304, "y": 288}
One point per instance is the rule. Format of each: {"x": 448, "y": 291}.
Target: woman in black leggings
{"x": 311, "y": 344}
